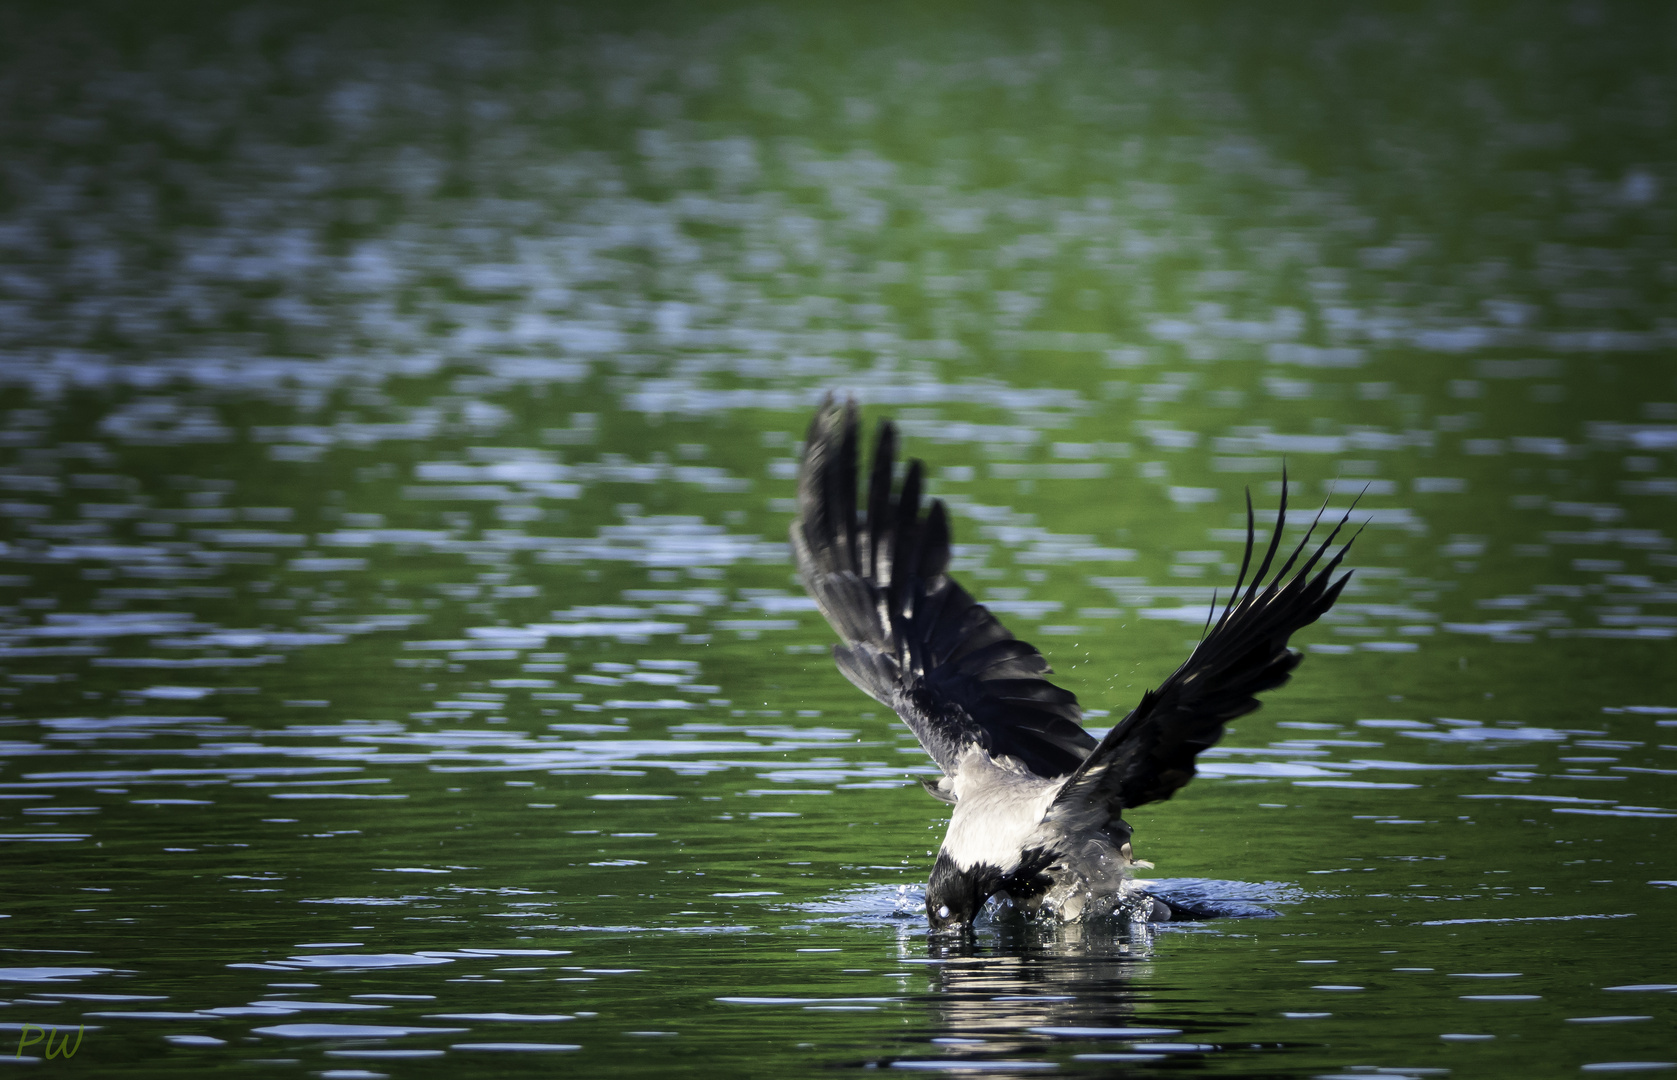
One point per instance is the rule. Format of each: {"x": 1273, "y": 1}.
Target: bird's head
{"x": 955, "y": 895}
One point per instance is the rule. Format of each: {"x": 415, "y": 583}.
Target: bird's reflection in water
{"x": 995, "y": 992}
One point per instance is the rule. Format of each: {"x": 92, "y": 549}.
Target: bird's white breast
{"x": 997, "y": 809}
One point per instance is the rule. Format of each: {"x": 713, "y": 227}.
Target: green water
{"x": 401, "y": 668}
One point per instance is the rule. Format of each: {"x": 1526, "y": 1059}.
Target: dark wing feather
{"x": 913, "y": 639}
{"x": 1149, "y": 755}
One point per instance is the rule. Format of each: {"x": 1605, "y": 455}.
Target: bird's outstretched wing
{"x": 1150, "y": 754}
{"x": 913, "y": 639}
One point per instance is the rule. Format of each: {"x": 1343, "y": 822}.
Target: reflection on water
{"x": 1076, "y": 982}
{"x": 399, "y": 662}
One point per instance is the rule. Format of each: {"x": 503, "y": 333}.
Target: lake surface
{"x": 401, "y": 668}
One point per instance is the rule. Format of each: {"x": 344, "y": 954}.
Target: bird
{"x": 1037, "y": 801}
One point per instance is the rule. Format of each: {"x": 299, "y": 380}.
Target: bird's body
{"x": 1037, "y": 800}
{"x": 1001, "y": 830}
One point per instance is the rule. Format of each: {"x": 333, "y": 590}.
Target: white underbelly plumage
{"x": 999, "y": 814}
{"x": 997, "y": 810}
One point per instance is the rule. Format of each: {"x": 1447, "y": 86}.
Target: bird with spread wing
{"x": 1037, "y": 801}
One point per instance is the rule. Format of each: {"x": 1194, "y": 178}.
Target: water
{"x": 401, "y": 668}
